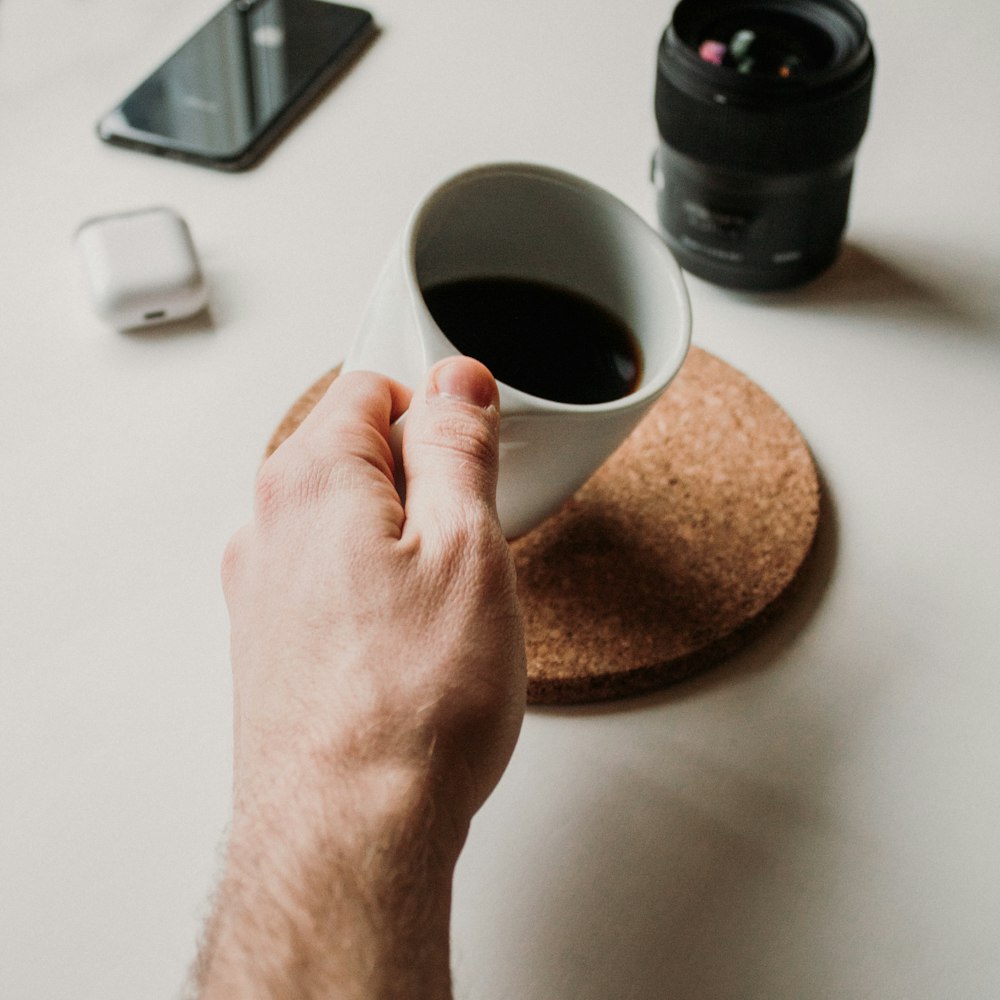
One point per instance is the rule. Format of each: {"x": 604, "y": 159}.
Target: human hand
{"x": 378, "y": 656}
{"x": 369, "y": 634}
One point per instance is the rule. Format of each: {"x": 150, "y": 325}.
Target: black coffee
{"x": 541, "y": 339}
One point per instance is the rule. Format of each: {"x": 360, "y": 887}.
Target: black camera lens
{"x": 761, "y": 106}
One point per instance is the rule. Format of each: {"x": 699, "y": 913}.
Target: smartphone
{"x": 229, "y": 92}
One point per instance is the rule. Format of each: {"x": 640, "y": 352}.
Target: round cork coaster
{"x": 674, "y": 553}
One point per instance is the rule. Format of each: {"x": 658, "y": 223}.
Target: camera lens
{"x": 761, "y": 106}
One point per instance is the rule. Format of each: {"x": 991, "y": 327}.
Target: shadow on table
{"x": 913, "y": 284}
{"x": 682, "y": 885}
{"x": 700, "y": 887}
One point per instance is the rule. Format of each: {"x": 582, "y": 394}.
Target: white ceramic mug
{"x": 513, "y": 220}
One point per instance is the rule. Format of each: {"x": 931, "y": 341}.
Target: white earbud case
{"x": 141, "y": 267}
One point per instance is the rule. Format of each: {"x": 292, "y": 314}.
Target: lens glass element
{"x": 766, "y": 43}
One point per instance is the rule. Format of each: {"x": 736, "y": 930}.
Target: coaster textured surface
{"x": 678, "y": 549}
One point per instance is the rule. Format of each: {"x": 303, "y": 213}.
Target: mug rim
{"x": 511, "y": 395}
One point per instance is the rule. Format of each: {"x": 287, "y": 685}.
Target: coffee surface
{"x": 539, "y": 338}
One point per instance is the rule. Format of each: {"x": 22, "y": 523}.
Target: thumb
{"x": 451, "y": 446}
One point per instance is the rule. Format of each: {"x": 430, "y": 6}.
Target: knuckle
{"x": 272, "y": 490}
{"x": 473, "y": 430}
{"x": 468, "y": 435}
{"x": 310, "y": 469}
{"x": 233, "y": 559}
{"x": 282, "y": 486}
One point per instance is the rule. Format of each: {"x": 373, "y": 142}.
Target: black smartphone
{"x": 227, "y": 94}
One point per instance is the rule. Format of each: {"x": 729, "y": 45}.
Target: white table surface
{"x": 817, "y": 818}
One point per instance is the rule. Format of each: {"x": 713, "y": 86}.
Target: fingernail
{"x": 464, "y": 379}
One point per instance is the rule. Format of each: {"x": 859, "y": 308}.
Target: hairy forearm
{"x": 341, "y": 896}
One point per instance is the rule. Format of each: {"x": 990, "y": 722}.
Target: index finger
{"x": 340, "y": 451}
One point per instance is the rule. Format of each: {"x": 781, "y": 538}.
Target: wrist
{"x": 365, "y": 810}
{"x": 347, "y": 888}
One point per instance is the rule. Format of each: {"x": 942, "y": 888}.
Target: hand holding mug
{"x": 571, "y": 299}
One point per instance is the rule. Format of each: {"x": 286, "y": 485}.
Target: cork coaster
{"x": 674, "y": 554}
